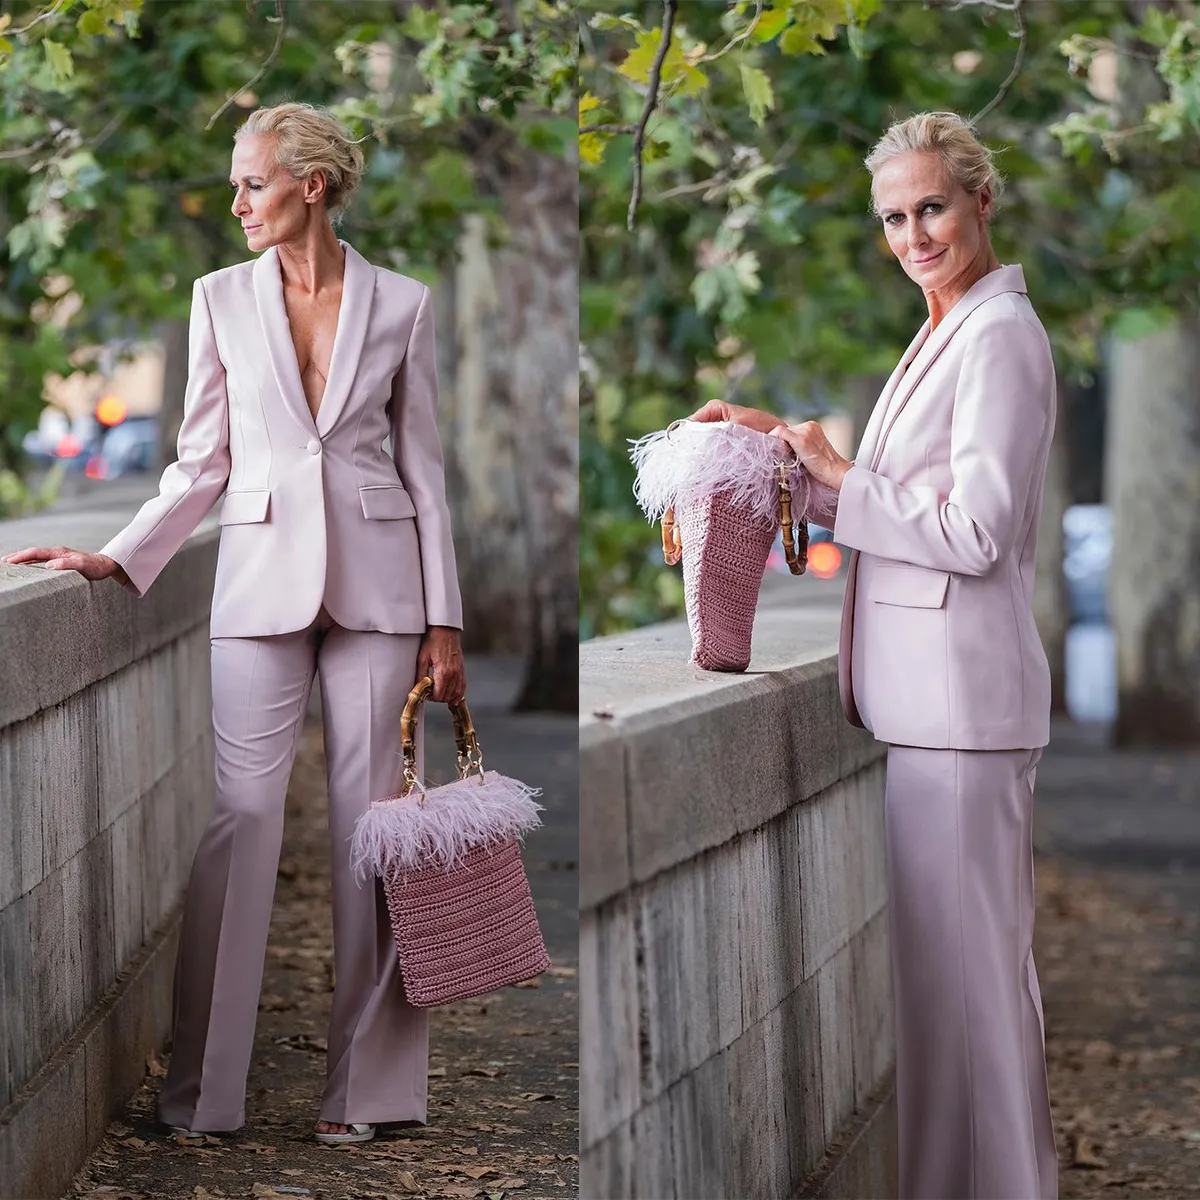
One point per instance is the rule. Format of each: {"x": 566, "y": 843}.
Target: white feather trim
{"x": 693, "y": 459}
{"x": 401, "y": 832}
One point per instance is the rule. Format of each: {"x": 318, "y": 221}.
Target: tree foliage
{"x": 117, "y": 124}
{"x": 745, "y": 263}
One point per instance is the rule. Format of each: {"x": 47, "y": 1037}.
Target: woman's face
{"x": 934, "y": 226}
{"x": 271, "y": 204}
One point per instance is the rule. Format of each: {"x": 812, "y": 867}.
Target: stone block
{"x": 20, "y": 802}
{"x": 800, "y": 1073}
{"x": 609, "y": 1052}
{"x": 873, "y": 1020}
{"x": 867, "y": 1166}
{"x": 700, "y": 1133}
{"x": 606, "y": 1166}
{"x": 757, "y": 1159}
{"x": 97, "y": 936}
{"x": 44, "y": 991}
{"x": 63, "y": 781}
{"x": 127, "y": 885}
{"x": 821, "y": 834}
{"x": 43, "y": 1141}
{"x": 73, "y": 982}
{"x": 836, "y": 1004}
{"x": 653, "y": 1165}
{"x": 603, "y": 819}
{"x": 773, "y": 1106}
{"x": 874, "y": 835}
{"x": 679, "y": 985}
{"x": 19, "y": 1058}
{"x": 723, "y": 899}
{"x": 125, "y": 767}
{"x": 783, "y": 854}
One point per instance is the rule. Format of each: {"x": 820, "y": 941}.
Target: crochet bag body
{"x": 461, "y": 910}
{"x": 722, "y": 491}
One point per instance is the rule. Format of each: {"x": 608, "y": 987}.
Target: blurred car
{"x": 826, "y": 559}
{"x": 128, "y": 447}
{"x": 60, "y": 439}
{"x": 1087, "y": 555}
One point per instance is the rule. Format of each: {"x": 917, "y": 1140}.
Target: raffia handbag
{"x": 450, "y": 858}
{"x": 722, "y": 492}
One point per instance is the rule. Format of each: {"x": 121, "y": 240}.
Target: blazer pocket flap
{"x": 910, "y": 587}
{"x": 386, "y": 502}
{"x": 245, "y": 507}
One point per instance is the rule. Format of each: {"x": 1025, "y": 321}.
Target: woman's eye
{"x": 933, "y": 207}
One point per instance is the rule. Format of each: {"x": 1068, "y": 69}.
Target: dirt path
{"x": 1117, "y": 941}
{"x": 503, "y": 1070}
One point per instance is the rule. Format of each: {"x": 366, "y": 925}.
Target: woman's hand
{"x": 815, "y": 452}
{"x": 739, "y": 414}
{"x": 441, "y": 656}
{"x": 63, "y": 558}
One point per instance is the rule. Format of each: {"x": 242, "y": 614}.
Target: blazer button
{"x": 314, "y": 447}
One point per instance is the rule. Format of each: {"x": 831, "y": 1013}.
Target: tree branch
{"x": 608, "y": 129}
{"x": 1023, "y": 35}
{"x": 741, "y": 37}
{"x": 639, "y": 134}
{"x": 281, "y": 17}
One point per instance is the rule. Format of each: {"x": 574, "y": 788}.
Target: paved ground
{"x": 503, "y": 1069}
{"x": 1118, "y": 931}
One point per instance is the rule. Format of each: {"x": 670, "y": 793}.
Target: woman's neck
{"x": 941, "y": 302}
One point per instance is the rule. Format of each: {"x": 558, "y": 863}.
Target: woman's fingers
{"x": 714, "y": 410}
{"x": 34, "y": 554}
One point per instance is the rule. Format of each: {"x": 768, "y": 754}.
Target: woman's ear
{"x": 314, "y": 187}
{"x": 986, "y": 204}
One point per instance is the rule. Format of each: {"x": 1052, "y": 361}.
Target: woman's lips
{"x": 921, "y": 262}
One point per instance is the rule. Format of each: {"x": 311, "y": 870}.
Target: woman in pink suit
{"x": 335, "y": 560}
{"x": 940, "y": 658}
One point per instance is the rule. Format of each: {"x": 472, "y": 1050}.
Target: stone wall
{"x": 105, "y": 786}
{"x": 735, "y": 990}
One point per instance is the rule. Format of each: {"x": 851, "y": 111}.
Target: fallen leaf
{"x": 537, "y": 1096}
{"x": 512, "y": 1184}
{"x": 136, "y": 1143}
{"x": 272, "y": 1003}
{"x": 489, "y": 1072}
{"x": 562, "y": 972}
{"x": 408, "y": 1181}
{"x": 529, "y": 983}
{"x": 436, "y": 1072}
{"x": 479, "y": 1172}
{"x": 1084, "y": 1153}
{"x": 256, "y": 1147}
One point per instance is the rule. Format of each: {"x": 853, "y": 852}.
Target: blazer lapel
{"x": 1003, "y": 279}
{"x": 358, "y": 290}
{"x": 870, "y": 437}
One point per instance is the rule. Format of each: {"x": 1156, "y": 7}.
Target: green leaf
{"x": 421, "y": 24}
{"x": 62, "y": 65}
{"x": 756, "y": 85}
{"x": 675, "y": 68}
{"x": 771, "y": 25}
{"x": 92, "y": 23}
{"x": 1158, "y": 27}
{"x": 609, "y": 21}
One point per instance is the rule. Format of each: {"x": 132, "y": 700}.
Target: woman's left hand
{"x": 815, "y": 452}
{"x": 441, "y": 656}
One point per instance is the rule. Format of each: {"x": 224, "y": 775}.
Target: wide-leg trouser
{"x": 377, "y": 1043}
{"x": 974, "y": 1108}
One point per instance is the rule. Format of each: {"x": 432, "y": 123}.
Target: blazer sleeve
{"x": 417, "y": 453}
{"x": 1003, "y": 413}
{"x": 189, "y": 486}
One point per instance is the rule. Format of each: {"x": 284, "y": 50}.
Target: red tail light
{"x": 824, "y": 560}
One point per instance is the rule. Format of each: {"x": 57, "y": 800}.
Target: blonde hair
{"x": 966, "y": 159}
{"x": 308, "y": 139}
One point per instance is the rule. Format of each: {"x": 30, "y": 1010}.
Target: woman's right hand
{"x": 739, "y": 414}
{"x": 63, "y": 558}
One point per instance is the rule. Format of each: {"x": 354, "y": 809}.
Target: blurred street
{"x": 503, "y": 1080}
{"x": 1118, "y": 873}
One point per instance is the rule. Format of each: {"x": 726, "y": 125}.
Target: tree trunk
{"x": 1153, "y": 487}
{"x": 509, "y": 347}
{"x": 1050, "y": 608}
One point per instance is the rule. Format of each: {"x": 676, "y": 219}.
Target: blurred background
{"x": 740, "y": 260}
{"x": 118, "y": 122}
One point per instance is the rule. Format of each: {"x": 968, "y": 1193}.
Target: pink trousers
{"x": 974, "y": 1108}
{"x": 378, "y": 1043}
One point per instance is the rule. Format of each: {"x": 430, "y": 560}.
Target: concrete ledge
{"x": 106, "y": 781}
{"x": 53, "y": 1122}
{"x": 735, "y": 998}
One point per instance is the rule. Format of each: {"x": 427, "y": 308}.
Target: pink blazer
{"x": 313, "y": 511}
{"x": 938, "y": 643}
